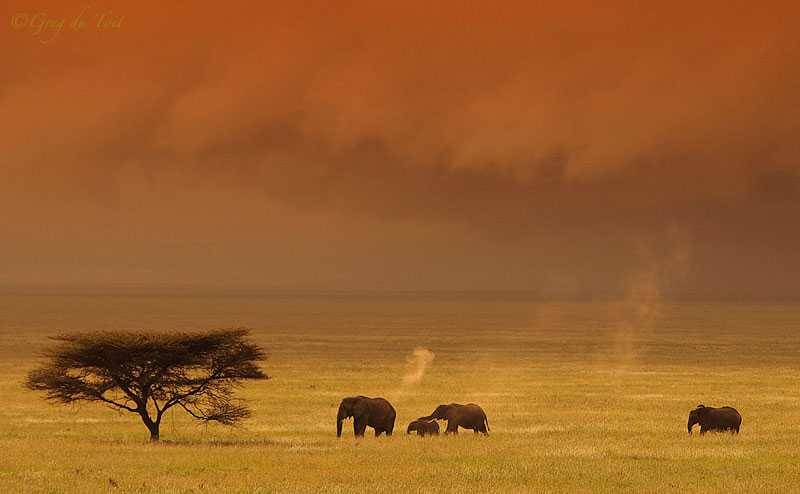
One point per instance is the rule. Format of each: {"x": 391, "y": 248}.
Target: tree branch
{"x": 118, "y": 405}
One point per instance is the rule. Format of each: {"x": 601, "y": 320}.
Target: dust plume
{"x": 418, "y": 363}
{"x": 664, "y": 261}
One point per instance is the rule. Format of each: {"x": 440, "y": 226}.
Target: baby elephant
{"x": 715, "y": 419}
{"x": 423, "y": 427}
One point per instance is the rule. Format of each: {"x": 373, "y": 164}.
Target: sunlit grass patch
{"x": 564, "y": 414}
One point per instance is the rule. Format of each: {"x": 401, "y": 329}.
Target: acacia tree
{"x": 149, "y": 373}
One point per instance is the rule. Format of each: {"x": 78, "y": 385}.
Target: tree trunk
{"x": 152, "y": 426}
{"x": 154, "y": 434}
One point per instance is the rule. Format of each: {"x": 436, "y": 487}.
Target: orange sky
{"x": 563, "y": 147}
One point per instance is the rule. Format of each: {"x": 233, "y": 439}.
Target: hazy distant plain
{"x": 580, "y": 396}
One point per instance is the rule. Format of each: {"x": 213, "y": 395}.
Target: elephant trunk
{"x": 689, "y": 425}
{"x": 339, "y": 418}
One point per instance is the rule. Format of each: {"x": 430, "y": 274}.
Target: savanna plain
{"x": 580, "y": 396}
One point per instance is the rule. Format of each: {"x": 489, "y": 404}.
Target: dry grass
{"x": 568, "y": 412}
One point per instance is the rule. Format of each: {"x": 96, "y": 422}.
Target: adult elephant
{"x": 374, "y": 412}
{"x": 469, "y": 416}
{"x": 714, "y": 419}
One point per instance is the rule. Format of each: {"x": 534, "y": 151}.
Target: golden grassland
{"x": 580, "y": 397}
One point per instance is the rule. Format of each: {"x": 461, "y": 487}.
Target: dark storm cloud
{"x": 576, "y": 129}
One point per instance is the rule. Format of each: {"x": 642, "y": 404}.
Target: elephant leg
{"x": 359, "y": 426}
{"x": 451, "y": 429}
{"x": 378, "y": 431}
{"x": 703, "y": 430}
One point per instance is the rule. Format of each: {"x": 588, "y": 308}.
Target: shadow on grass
{"x": 285, "y": 444}
{"x": 222, "y": 443}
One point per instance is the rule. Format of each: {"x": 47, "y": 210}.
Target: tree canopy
{"x": 150, "y": 373}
